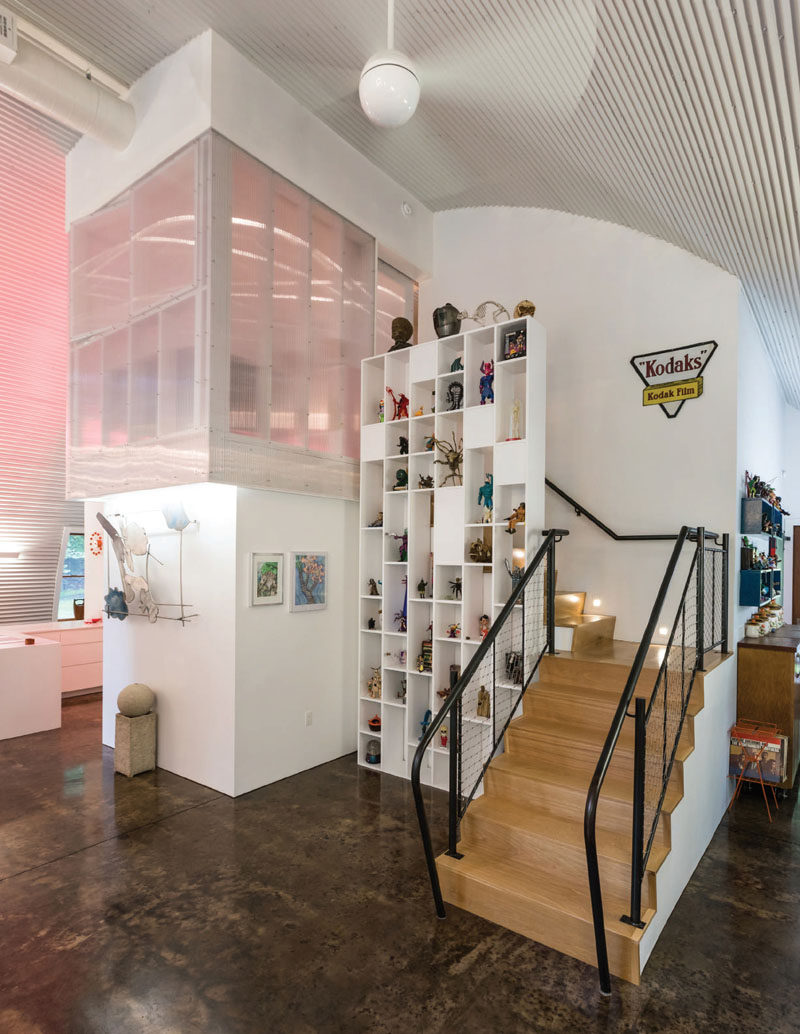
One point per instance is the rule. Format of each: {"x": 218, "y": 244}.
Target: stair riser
{"x": 592, "y": 675}
{"x": 538, "y": 852}
{"x": 547, "y": 925}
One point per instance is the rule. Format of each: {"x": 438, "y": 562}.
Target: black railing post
{"x": 701, "y": 598}
{"x": 726, "y": 545}
{"x": 455, "y": 747}
{"x": 551, "y": 597}
{"x": 637, "y": 843}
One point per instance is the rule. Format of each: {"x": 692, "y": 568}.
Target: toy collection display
{"x": 400, "y": 404}
{"x": 454, "y": 396}
{"x": 480, "y": 552}
{"x": 484, "y": 709}
{"x": 403, "y": 547}
{"x": 427, "y": 718}
{"x": 401, "y": 617}
{"x": 755, "y": 488}
{"x": 455, "y": 675}
{"x": 422, "y": 588}
{"x": 486, "y": 498}
{"x": 372, "y": 755}
{"x": 447, "y": 318}
{"x": 455, "y": 588}
{"x": 486, "y": 383}
{"x": 402, "y": 332}
{"x": 443, "y": 735}
{"x": 517, "y": 517}
{"x": 400, "y": 480}
{"x": 374, "y": 723}
{"x": 373, "y": 587}
{"x": 457, "y": 364}
{"x": 374, "y": 684}
{"x": 378, "y": 522}
{"x": 514, "y": 573}
{"x": 425, "y": 658}
{"x": 453, "y": 458}
{"x": 453, "y": 631}
{"x": 483, "y": 625}
{"x": 425, "y": 481}
{"x": 402, "y": 445}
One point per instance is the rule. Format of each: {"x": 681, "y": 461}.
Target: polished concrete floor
{"x": 156, "y": 906}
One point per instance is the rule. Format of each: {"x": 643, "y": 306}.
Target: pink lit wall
{"x": 33, "y": 360}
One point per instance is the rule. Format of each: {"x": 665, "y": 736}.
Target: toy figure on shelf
{"x": 400, "y": 405}
{"x": 422, "y": 588}
{"x": 401, "y": 690}
{"x": 456, "y": 364}
{"x": 374, "y": 723}
{"x": 374, "y": 684}
{"x": 517, "y": 517}
{"x": 378, "y": 522}
{"x": 480, "y": 552}
{"x": 418, "y": 412}
{"x": 484, "y": 704}
{"x": 444, "y": 693}
{"x": 453, "y": 458}
{"x": 514, "y": 666}
{"x": 485, "y": 497}
{"x": 380, "y": 412}
{"x": 524, "y": 308}
{"x": 487, "y": 382}
{"x": 454, "y": 395}
{"x": 402, "y": 445}
{"x": 401, "y": 621}
{"x": 514, "y": 423}
{"x": 426, "y": 721}
{"x": 371, "y": 624}
{"x": 515, "y": 573}
{"x": 453, "y": 631}
{"x": 373, "y": 587}
{"x": 402, "y": 331}
{"x": 429, "y": 444}
{"x": 403, "y": 547}
{"x": 443, "y": 735}
{"x": 483, "y": 625}
{"x": 400, "y": 480}
{"x": 455, "y": 588}
{"x": 425, "y": 481}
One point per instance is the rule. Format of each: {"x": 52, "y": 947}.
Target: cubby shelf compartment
{"x": 759, "y": 586}
{"x": 443, "y": 521}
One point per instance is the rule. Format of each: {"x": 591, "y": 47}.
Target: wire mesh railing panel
{"x": 714, "y": 618}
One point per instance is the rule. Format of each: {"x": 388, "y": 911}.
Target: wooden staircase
{"x": 524, "y": 862}
{"x": 577, "y": 631}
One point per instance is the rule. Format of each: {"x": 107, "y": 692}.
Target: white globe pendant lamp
{"x": 389, "y": 84}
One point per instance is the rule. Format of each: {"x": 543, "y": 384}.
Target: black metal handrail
{"x": 452, "y": 706}
{"x": 644, "y": 711}
{"x": 581, "y": 511}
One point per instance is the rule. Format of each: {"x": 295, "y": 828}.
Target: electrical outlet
{"x": 309, "y": 717}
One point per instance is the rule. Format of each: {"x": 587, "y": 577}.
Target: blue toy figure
{"x": 426, "y": 721}
{"x": 487, "y": 382}
{"x": 486, "y": 493}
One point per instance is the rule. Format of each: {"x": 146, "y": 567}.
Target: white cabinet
{"x": 441, "y": 522}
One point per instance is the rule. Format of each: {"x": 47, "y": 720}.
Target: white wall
{"x": 191, "y": 668}
{"x": 604, "y": 294}
{"x": 760, "y": 437}
{"x": 790, "y": 493}
{"x": 289, "y": 663}
{"x": 208, "y": 84}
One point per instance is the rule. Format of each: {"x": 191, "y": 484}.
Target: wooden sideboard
{"x": 769, "y": 690}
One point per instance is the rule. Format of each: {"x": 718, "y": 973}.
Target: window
{"x": 70, "y": 580}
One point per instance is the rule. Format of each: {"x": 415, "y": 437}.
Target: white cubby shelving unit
{"x": 442, "y": 522}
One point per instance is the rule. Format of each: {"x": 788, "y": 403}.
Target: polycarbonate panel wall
{"x": 397, "y": 296}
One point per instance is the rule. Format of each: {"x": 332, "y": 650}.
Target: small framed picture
{"x": 309, "y": 581}
{"x": 515, "y": 342}
{"x": 266, "y": 578}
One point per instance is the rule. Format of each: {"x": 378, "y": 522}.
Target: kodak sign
{"x": 674, "y": 376}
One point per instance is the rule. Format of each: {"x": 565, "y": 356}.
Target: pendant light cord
{"x": 390, "y": 26}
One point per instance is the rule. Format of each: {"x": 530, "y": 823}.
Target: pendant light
{"x": 389, "y": 84}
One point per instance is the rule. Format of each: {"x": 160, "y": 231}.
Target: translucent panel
{"x": 176, "y": 387}
{"x": 397, "y": 296}
{"x": 290, "y": 325}
{"x": 100, "y": 270}
{"x": 357, "y": 325}
{"x": 115, "y": 388}
{"x": 88, "y": 395}
{"x": 144, "y": 379}
{"x": 164, "y": 232}
{"x": 251, "y": 289}
{"x": 325, "y": 380}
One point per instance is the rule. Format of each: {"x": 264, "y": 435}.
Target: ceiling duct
{"x": 52, "y": 86}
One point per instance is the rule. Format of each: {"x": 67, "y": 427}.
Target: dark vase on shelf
{"x": 446, "y": 321}
{"x": 747, "y": 558}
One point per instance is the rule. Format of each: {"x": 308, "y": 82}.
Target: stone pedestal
{"x": 135, "y": 749}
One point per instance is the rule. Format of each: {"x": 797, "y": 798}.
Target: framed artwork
{"x": 309, "y": 581}
{"x": 266, "y": 578}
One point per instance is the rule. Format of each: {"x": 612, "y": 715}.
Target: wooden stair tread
{"x": 601, "y": 696}
{"x": 584, "y": 734}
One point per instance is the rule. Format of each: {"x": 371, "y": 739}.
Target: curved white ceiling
{"x": 679, "y": 118}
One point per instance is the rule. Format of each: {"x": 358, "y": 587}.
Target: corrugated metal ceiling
{"x": 679, "y": 118}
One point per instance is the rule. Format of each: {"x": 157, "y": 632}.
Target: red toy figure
{"x": 400, "y": 405}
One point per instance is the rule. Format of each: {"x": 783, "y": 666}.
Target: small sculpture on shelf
{"x": 401, "y": 690}
{"x": 514, "y": 666}
{"x": 443, "y": 735}
{"x": 374, "y": 684}
{"x": 484, "y": 704}
{"x": 374, "y": 723}
{"x": 446, "y": 320}
{"x": 480, "y": 552}
{"x": 372, "y": 754}
{"x": 402, "y": 445}
{"x": 425, "y": 481}
{"x": 373, "y": 587}
{"x": 487, "y": 382}
{"x": 517, "y": 517}
{"x": 479, "y": 316}
{"x": 422, "y": 588}
{"x": 486, "y": 498}
{"x": 371, "y": 624}
{"x": 426, "y": 721}
{"x": 524, "y": 308}
{"x": 514, "y": 573}
{"x": 380, "y": 412}
{"x": 456, "y": 365}
{"x": 378, "y": 522}
{"x": 454, "y": 395}
{"x": 418, "y": 412}
{"x": 515, "y": 422}
{"x": 400, "y": 480}
{"x": 400, "y": 405}
{"x": 453, "y": 631}
{"x": 483, "y": 625}
{"x": 455, "y": 588}
{"x": 453, "y": 458}
{"x": 402, "y": 332}
{"x": 403, "y": 547}
{"x": 429, "y": 443}
{"x": 401, "y": 621}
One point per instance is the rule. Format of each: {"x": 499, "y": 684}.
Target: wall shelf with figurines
{"x": 761, "y": 560}
{"x": 471, "y": 510}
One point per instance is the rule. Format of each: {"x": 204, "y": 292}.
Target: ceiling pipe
{"x": 48, "y": 84}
